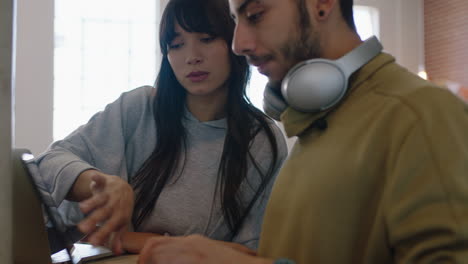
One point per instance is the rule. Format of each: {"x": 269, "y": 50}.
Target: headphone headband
{"x": 361, "y": 55}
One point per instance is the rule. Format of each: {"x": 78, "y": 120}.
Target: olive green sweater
{"x": 385, "y": 182}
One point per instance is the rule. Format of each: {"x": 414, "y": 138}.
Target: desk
{"x": 126, "y": 259}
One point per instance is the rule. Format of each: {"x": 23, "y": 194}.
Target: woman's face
{"x": 200, "y": 63}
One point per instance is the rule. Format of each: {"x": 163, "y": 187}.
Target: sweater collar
{"x": 219, "y": 123}
{"x": 296, "y": 122}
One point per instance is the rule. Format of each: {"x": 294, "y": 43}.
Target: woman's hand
{"x": 238, "y": 247}
{"x": 193, "y": 249}
{"x": 134, "y": 242}
{"x": 110, "y": 205}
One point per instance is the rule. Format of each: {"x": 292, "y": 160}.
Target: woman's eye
{"x": 175, "y": 46}
{"x": 208, "y": 39}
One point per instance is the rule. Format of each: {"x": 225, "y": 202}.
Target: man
{"x": 379, "y": 177}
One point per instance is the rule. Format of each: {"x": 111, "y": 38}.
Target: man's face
{"x": 274, "y": 35}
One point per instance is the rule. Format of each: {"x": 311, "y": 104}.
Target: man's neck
{"x": 338, "y": 43}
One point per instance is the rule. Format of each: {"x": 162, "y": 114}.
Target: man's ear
{"x": 323, "y": 8}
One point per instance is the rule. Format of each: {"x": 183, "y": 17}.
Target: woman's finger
{"x": 150, "y": 246}
{"x": 115, "y": 223}
{"x": 89, "y": 224}
{"x": 98, "y": 183}
{"x": 116, "y": 242}
{"x": 93, "y": 203}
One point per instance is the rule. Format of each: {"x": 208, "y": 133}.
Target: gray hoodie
{"x": 119, "y": 139}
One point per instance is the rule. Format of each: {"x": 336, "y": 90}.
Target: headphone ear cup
{"x": 318, "y": 84}
{"x": 314, "y": 85}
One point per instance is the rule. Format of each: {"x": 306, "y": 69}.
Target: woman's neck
{"x": 207, "y": 108}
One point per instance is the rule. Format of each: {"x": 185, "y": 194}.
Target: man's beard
{"x": 305, "y": 44}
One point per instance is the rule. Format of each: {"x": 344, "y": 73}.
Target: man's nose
{"x": 243, "y": 42}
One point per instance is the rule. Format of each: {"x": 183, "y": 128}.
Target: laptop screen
{"x": 54, "y": 220}
{"x": 72, "y": 252}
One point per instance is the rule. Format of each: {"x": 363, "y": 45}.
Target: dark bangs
{"x": 198, "y": 16}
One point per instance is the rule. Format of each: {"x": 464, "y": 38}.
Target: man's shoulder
{"x": 395, "y": 83}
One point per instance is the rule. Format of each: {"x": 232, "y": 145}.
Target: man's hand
{"x": 193, "y": 249}
{"x": 110, "y": 206}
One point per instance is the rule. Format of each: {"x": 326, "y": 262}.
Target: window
{"x": 256, "y": 87}
{"x": 102, "y": 48}
{"x": 366, "y": 19}
{"x": 367, "y": 23}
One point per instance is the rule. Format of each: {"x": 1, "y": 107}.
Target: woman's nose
{"x": 194, "y": 55}
{"x": 193, "y": 60}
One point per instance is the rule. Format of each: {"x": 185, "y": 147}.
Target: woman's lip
{"x": 198, "y": 77}
{"x": 197, "y": 73}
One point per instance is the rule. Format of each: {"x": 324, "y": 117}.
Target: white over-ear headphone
{"x": 318, "y": 84}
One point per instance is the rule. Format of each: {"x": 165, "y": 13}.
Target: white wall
{"x": 34, "y": 74}
{"x": 401, "y": 29}
{"x": 6, "y": 94}
{"x": 401, "y": 32}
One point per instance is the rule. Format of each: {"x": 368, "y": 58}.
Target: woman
{"x": 200, "y": 158}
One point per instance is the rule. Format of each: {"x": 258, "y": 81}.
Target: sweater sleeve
{"x": 427, "y": 189}
{"x": 249, "y": 233}
{"x": 99, "y": 144}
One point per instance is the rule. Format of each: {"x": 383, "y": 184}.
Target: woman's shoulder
{"x": 143, "y": 93}
{"x": 135, "y": 105}
{"x": 261, "y": 141}
{"x": 137, "y": 100}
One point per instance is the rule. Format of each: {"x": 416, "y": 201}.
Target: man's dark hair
{"x": 346, "y": 7}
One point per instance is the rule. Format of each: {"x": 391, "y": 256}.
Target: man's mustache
{"x": 257, "y": 60}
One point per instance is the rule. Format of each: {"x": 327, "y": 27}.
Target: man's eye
{"x": 255, "y": 17}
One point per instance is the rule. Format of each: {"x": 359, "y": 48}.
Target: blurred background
{"x": 75, "y": 56}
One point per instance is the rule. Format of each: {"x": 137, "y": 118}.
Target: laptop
{"x": 31, "y": 217}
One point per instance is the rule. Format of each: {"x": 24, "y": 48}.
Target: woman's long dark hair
{"x": 244, "y": 121}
